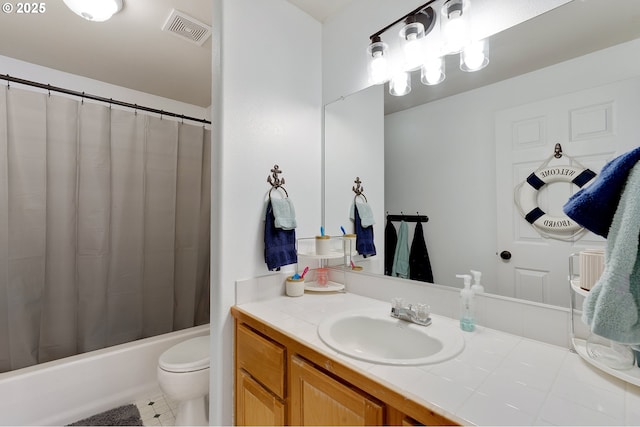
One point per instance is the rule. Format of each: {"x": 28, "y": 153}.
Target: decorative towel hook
{"x": 557, "y": 151}
{"x": 275, "y": 181}
{"x": 358, "y": 189}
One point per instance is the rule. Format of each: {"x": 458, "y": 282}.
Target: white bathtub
{"x": 69, "y": 389}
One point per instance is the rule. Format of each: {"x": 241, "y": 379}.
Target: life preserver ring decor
{"x": 527, "y": 197}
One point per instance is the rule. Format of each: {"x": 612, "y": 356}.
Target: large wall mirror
{"x": 456, "y": 152}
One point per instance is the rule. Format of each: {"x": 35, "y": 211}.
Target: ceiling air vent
{"x": 187, "y": 27}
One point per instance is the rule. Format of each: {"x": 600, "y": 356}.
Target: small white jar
{"x": 323, "y": 245}
{"x": 295, "y": 287}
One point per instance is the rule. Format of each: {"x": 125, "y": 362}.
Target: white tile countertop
{"x": 498, "y": 379}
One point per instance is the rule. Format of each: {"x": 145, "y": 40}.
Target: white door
{"x": 593, "y": 126}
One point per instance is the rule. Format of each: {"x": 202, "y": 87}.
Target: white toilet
{"x": 183, "y": 375}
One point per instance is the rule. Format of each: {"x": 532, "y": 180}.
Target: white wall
{"x": 37, "y": 73}
{"x": 447, "y": 149}
{"x": 267, "y": 110}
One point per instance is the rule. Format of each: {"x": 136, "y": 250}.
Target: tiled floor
{"x": 156, "y": 410}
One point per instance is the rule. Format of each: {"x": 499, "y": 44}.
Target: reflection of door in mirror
{"x": 591, "y": 132}
{"x": 440, "y": 160}
{"x": 354, "y": 147}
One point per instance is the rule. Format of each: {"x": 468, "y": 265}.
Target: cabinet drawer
{"x": 255, "y": 406}
{"x": 262, "y": 358}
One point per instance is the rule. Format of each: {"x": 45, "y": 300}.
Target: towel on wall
{"x": 366, "y": 214}
{"x": 364, "y": 236}
{"x": 612, "y": 307}
{"x": 401, "y": 257}
{"x": 279, "y": 244}
{"x": 390, "y": 240}
{"x": 594, "y": 206}
{"x": 284, "y": 213}
{"x": 419, "y": 263}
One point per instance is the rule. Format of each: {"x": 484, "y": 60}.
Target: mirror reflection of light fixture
{"x": 378, "y": 63}
{"x": 475, "y": 56}
{"x": 400, "y": 83}
{"x": 454, "y": 26}
{"x": 411, "y": 35}
{"x": 432, "y": 71}
{"x": 424, "y": 52}
{"x": 94, "y": 10}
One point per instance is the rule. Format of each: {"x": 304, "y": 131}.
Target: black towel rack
{"x": 408, "y": 218}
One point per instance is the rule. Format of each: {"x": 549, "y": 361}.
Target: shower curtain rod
{"x": 48, "y": 87}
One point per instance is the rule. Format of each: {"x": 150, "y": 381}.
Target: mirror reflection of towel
{"x": 364, "y": 236}
{"x": 390, "y": 240}
{"x": 401, "y": 257}
{"x": 366, "y": 214}
{"x": 279, "y": 244}
{"x": 419, "y": 263}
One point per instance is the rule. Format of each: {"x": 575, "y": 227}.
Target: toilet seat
{"x": 187, "y": 356}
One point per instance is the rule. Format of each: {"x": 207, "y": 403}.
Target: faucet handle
{"x": 397, "y": 302}
{"x": 422, "y": 312}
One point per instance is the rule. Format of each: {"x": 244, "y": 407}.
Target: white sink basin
{"x": 375, "y": 336}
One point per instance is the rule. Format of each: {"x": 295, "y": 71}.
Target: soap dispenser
{"x": 476, "y": 287}
{"x": 467, "y": 318}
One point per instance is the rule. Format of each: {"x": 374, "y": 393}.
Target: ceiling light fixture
{"x": 94, "y": 10}
{"x": 417, "y": 49}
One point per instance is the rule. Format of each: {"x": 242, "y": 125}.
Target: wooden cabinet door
{"x": 318, "y": 399}
{"x": 255, "y": 406}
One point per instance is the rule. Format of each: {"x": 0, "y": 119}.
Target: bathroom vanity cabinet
{"x": 281, "y": 381}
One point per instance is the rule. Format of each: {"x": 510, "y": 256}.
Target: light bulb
{"x": 453, "y": 26}
{"x": 379, "y": 69}
{"x": 411, "y": 35}
{"x": 94, "y": 10}
{"x": 378, "y": 64}
{"x": 475, "y": 56}
{"x": 400, "y": 84}
{"x": 432, "y": 71}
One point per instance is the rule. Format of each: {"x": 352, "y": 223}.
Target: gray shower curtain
{"x": 104, "y": 226}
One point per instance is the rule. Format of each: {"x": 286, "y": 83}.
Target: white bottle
{"x": 467, "y": 318}
{"x": 476, "y": 287}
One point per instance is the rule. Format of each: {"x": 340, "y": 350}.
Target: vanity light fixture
{"x": 94, "y": 10}
{"x": 417, "y": 50}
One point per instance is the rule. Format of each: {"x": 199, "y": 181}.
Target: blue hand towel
{"x": 284, "y": 213}
{"x": 364, "y": 237}
{"x": 594, "y": 206}
{"x": 611, "y": 308}
{"x": 279, "y": 244}
{"x": 366, "y": 214}
{"x": 401, "y": 257}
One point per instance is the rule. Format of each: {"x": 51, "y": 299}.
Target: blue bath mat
{"x": 127, "y": 415}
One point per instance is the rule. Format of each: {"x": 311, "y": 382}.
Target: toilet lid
{"x": 187, "y": 356}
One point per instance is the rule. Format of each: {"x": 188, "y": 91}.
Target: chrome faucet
{"x": 418, "y": 315}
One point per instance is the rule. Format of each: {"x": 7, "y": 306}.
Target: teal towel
{"x": 284, "y": 213}
{"x": 611, "y": 308}
{"x": 401, "y": 257}
{"x": 365, "y": 212}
